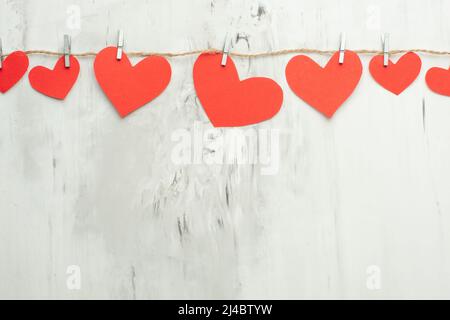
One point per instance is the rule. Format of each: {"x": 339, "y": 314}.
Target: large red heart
{"x": 55, "y": 83}
{"x": 229, "y": 102}
{"x": 326, "y": 88}
{"x": 396, "y": 77}
{"x": 127, "y": 87}
{"x": 14, "y": 67}
{"x": 438, "y": 80}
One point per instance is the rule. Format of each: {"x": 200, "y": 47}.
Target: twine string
{"x": 237, "y": 54}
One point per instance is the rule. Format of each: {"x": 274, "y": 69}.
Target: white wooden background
{"x": 364, "y": 195}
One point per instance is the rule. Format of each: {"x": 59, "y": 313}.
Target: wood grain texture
{"x": 79, "y": 186}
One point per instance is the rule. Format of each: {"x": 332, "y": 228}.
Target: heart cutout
{"x": 438, "y": 80}
{"x": 396, "y": 77}
{"x": 14, "y": 67}
{"x": 326, "y": 88}
{"x": 127, "y": 87}
{"x": 230, "y": 102}
{"x": 55, "y": 83}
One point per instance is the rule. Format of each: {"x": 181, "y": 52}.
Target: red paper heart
{"x": 14, "y": 67}
{"x": 438, "y": 80}
{"x": 55, "y": 83}
{"x": 326, "y": 88}
{"x": 396, "y": 77}
{"x": 229, "y": 102}
{"x": 127, "y": 87}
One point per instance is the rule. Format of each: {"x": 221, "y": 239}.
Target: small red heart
{"x": 14, "y": 67}
{"x": 55, "y": 83}
{"x": 326, "y": 88}
{"x": 396, "y": 77}
{"x": 127, "y": 87}
{"x": 229, "y": 102}
{"x": 438, "y": 80}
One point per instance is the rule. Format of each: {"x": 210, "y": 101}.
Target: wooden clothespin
{"x": 226, "y": 50}
{"x": 120, "y": 42}
{"x": 385, "y": 40}
{"x": 67, "y": 49}
{"x": 342, "y": 48}
{"x": 1, "y": 54}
